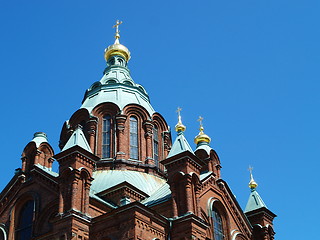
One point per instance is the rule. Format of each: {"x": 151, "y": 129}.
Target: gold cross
{"x": 117, "y": 26}
{"x": 200, "y": 120}
{"x": 250, "y": 169}
{"x": 179, "y": 110}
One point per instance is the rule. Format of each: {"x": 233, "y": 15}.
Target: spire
{"x": 254, "y": 201}
{"x": 180, "y": 144}
{"x": 180, "y": 128}
{"x": 117, "y": 49}
{"x": 252, "y": 184}
{"x": 201, "y": 137}
{"x": 77, "y": 138}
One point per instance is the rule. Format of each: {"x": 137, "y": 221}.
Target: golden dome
{"x": 201, "y": 137}
{"x": 117, "y": 48}
{"x": 252, "y": 183}
{"x": 180, "y": 127}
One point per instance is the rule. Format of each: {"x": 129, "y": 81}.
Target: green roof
{"x": 254, "y": 202}
{"x": 77, "y": 139}
{"x": 105, "y": 179}
{"x": 116, "y": 86}
{"x": 38, "y": 138}
{"x": 180, "y": 145}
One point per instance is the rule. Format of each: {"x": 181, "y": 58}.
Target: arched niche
{"x": 219, "y": 219}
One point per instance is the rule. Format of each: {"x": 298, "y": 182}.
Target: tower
{"x": 120, "y": 177}
{"x": 260, "y": 217}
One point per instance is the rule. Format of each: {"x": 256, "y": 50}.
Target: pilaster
{"x": 92, "y": 126}
{"x": 121, "y": 138}
{"x": 148, "y": 128}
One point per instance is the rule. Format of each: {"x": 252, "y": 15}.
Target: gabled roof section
{"x": 77, "y": 139}
{"x": 180, "y": 145}
{"x": 243, "y": 218}
{"x": 254, "y": 202}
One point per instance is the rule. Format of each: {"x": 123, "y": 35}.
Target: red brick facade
{"x": 114, "y": 198}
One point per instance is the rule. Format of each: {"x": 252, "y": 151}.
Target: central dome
{"x": 121, "y": 127}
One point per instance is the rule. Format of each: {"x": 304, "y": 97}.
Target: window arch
{"x": 25, "y": 221}
{"x": 156, "y": 145}
{"x": 128, "y": 83}
{"x": 106, "y": 136}
{"x": 217, "y": 224}
{"x": 3, "y": 233}
{"x": 134, "y": 148}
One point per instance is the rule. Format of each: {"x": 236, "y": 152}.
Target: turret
{"x": 206, "y": 153}
{"x": 183, "y": 169}
{"x": 76, "y": 165}
{"x": 37, "y": 152}
{"x": 260, "y": 217}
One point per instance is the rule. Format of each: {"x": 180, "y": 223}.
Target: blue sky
{"x": 249, "y": 67}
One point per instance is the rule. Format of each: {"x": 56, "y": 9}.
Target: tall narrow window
{"x": 133, "y": 138}
{"x": 106, "y": 137}
{"x": 217, "y": 225}
{"x": 155, "y": 146}
{"x": 24, "y": 224}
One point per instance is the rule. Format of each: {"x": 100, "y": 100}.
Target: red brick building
{"x": 120, "y": 176}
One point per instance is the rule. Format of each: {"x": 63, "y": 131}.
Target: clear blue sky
{"x": 249, "y": 67}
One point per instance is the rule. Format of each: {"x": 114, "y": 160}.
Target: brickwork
{"x": 178, "y": 198}
{"x": 64, "y": 208}
{"x": 185, "y": 215}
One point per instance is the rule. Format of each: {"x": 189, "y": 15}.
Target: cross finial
{"x": 179, "y": 109}
{"x": 201, "y": 125}
{"x": 252, "y": 184}
{"x": 116, "y": 26}
{"x": 180, "y": 127}
{"x": 250, "y": 169}
{"x": 200, "y": 121}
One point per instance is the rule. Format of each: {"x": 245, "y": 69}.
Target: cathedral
{"x": 124, "y": 175}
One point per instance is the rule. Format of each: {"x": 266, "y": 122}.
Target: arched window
{"x": 24, "y": 224}
{"x": 3, "y": 234}
{"x": 133, "y": 138}
{"x": 155, "y": 146}
{"x": 217, "y": 225}
{"x": 106, "y": 136}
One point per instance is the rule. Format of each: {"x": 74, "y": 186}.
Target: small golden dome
{"x": 180, "y": 127}
{"x": 201, "y": 137}
{"x": 252, "y": 183}
{"x": 117, "y": 48}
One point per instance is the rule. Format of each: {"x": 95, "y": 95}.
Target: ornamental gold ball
{"x": 180, "y": 127}
{"x": 253, "y": 184}
{"x": 202, "y": 137}
{"x": 117, "y": 49}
